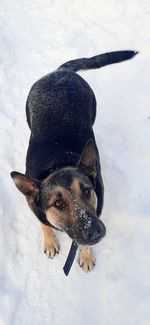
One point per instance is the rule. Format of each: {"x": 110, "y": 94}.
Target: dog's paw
{"x": 86, "y": 259}
{"x": 51, "y": 247}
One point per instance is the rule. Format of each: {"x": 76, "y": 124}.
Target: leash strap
{"x": 70, "y": 258}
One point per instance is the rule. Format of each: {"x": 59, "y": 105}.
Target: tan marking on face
{"x": 75, "y": 187}
{"x": 71, "y": 199}
{"x": 89, "y": 204}
{"x": 54, "y": 218}
{"x": 94, "y": 199}
{"x": 58, "y": 218}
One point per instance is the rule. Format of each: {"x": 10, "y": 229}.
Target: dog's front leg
{"x": 86, "y": 258}
{"x": 51, "y": 246}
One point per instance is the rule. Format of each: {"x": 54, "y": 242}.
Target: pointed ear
{"x": 87, "y": 160}
{"x": 27, "y": 186}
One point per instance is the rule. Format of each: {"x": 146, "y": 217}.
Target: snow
{"x": 36, "y": 37}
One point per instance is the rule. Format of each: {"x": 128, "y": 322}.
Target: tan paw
{"x": 51, "y": 247}
{"x": 86, "y": 259}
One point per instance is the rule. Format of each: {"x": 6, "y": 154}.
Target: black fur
{"x": 98, "y": 61}
{"x": 61, "y": 110}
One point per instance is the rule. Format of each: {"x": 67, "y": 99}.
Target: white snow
{"x": 35, "y": 38}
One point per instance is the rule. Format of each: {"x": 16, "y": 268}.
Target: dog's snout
{"x": 94, "y": 233}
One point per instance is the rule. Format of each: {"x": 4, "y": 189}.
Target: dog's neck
{"x": 41, "y": 168}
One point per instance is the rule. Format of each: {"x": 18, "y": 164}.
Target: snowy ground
{"x": 35, "y": 37}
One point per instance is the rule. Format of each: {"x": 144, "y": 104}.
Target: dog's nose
{"x": 94, "y": 233}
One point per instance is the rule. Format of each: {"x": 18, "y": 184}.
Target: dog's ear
{"x": 26, "y": 185}
{"x": 87, "y": 160}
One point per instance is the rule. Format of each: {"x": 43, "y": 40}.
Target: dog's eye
{"x": 59, "y": 204}
{"x": 86, "y": 191}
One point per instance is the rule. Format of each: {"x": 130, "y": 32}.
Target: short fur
{"x": 63, "y": 183}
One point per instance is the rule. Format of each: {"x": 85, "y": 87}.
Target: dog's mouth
{"x": 89, "y": 233}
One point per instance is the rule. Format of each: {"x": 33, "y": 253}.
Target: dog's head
{"x": 67, "y": 198}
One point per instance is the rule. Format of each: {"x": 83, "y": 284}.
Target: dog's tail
{"x": 97, "y": 61}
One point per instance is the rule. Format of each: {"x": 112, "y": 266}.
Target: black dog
{"x": 63, "y": 183}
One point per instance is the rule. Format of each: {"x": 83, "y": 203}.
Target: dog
{"x": 63, "y": 184}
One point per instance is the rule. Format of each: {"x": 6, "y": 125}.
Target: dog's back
{"x": 59, "y": 101}
{"x": 61, "y": 109}
{"x": 63, "y": 96}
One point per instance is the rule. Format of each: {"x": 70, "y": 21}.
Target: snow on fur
{"x": 36, "y": 37}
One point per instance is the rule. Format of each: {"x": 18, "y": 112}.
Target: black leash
{"x": 70, "y": 258}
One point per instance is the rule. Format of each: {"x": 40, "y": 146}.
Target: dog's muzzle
{"x": 87, "y": 230}
{"x": 93, "y": 231}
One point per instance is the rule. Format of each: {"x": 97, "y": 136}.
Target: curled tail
{"x": 98, "y": 61}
